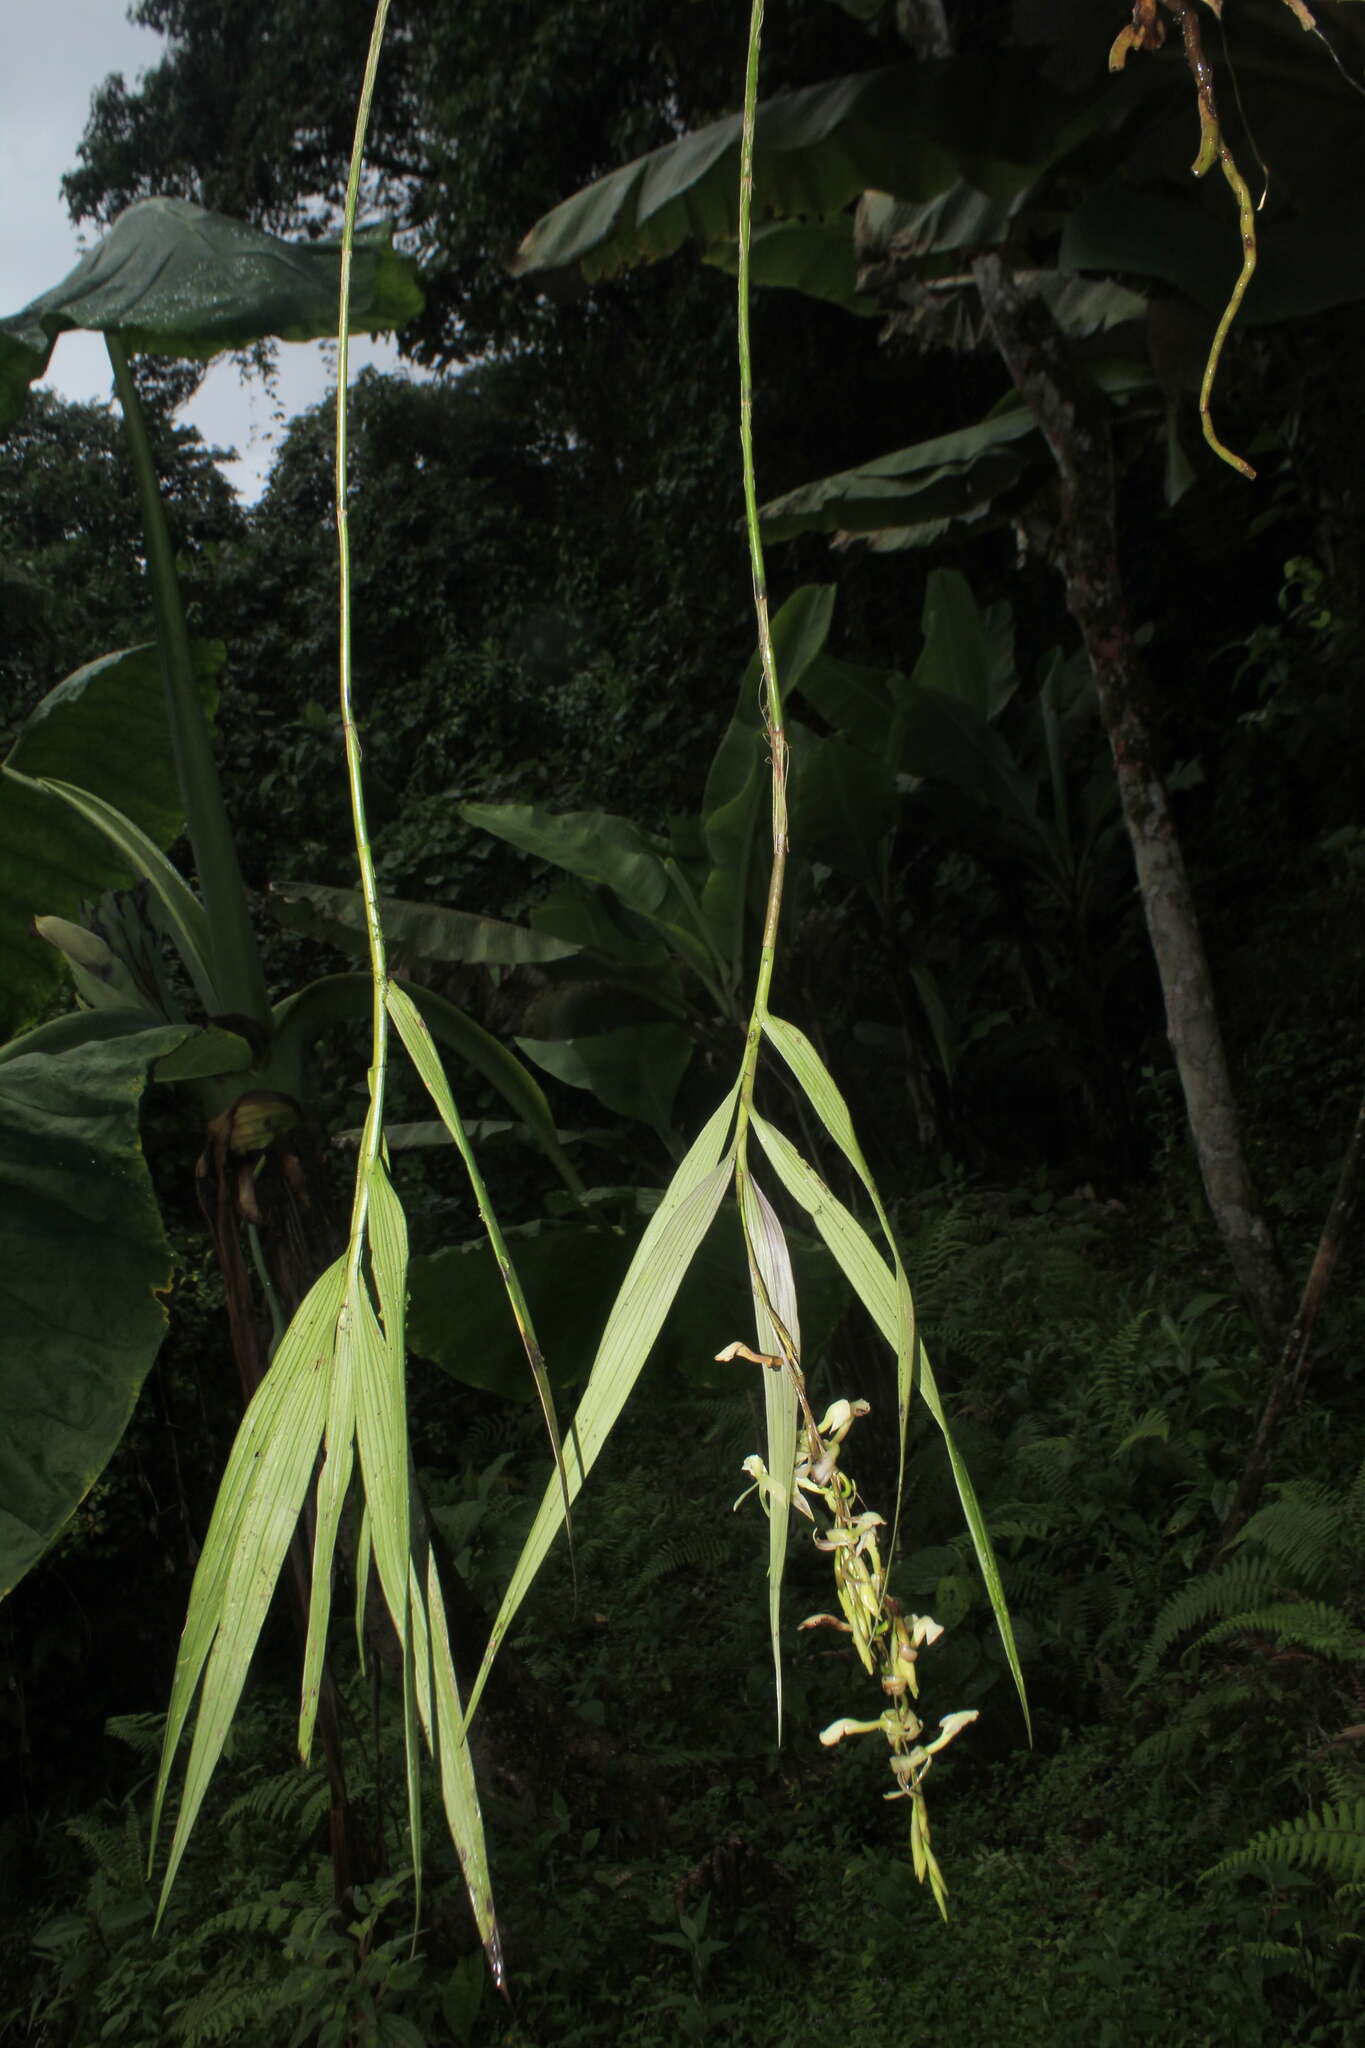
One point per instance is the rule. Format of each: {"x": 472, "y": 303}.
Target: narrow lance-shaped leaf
{"x": 301, "y": 1019}
{"x": 334, "y": 1481}
{"x": 817, "y": 1085}
{"x": 459, "y": 1792}
{"x": 427, "y": 1061}
{"x": 382, "y": 1440}
{"x": 254, "y": 1517}
{"x": 875, "y": 1286}
{"x": 662, "y": 1257}
{"x": 774, "y": 1293}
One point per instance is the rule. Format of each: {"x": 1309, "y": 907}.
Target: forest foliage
{"x": 567, "y": 768}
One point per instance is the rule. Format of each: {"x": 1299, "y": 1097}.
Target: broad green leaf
{"x": 103, "y": 729}
{"x": 911, "y": 129}
{"x": 457, "y": 1305}
{"x": 101, "y": 978}
{"x": 843, "y": 811}
{"x": 301, "y": 1019}
{"x": 84, "y": 1267}
{"x": 877, "y": 1288}
{"x": 944, "y": 477}
{"x": 583, "y": 920}
{"x": 635, "y": 1070}
{"x": 205, "y": 1054}
{"x": 932, "y": 233}
{"x": 172, "y": 279}
{"x": 421, "y": 931}
{"x": 254, "y": 1518}
{"x": 967, "y": 653}
{"x": 1306, "y": 263}
{"x": 79, "y": 1027}
{"x": 180, "y": 909}
{"x": 954, "y": 476}
{"x": 815, "y": 257}
{"x": 647, "y": 1293}
{"x": 859, "y": 701}
{"x": 774, "y": 1295}
{"x": 597, "y": 847}
{"x": 429, "y": 1134}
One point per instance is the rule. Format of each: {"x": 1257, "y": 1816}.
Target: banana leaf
{"x": 84, "y": 1268}
{"x": 104, "y": 730}
{"x": 912, "y": 129}
{"x": 421, "y": 931}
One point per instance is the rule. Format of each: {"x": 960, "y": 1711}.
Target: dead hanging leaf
{"x": 1147, "y": 31}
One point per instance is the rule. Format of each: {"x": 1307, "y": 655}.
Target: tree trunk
{"x": 1288, "y": 1383}
{"x": 1074, "y": 419}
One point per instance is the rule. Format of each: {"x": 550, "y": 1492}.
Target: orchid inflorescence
{"x": 888, "y": 1640}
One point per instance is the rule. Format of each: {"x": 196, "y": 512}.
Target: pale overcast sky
{"x": 57, "y": 52}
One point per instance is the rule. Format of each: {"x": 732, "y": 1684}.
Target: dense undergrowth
{"x": 667, "y": 1872}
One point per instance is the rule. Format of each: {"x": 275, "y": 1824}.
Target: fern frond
{"x": 1302, "y": 1531}
{"x": 268, "y": 1915}
{"x": 1212, "y": 1706}
{"x": 295, "y": 1795}
{"x": 1152, "y": 1424}
{"x": 1283, "y": 1955}
{"x": 115, "y": 1848}
{"x": 1331, "y": 1841}
{"x": 226, "y": 2012}
{"x": 1344, "y": 1779}
{"x": 1243, "y": 1583}
{"x": 1309, "y": 1625}
{"x": 141, "y": 1733}
{"x": 1114, "y": 1375}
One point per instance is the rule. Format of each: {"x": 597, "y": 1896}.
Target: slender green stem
{"x": 372, "y": 1139}
{"x": 237, "y": 978}
{"x": 772, "y": 696}
{"x": 279, "y": 1321}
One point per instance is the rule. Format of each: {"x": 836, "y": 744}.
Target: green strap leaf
{"x": 774, "y": 1294}
{"x": 347, "y": 998}
{"x": 255, "y": 1516}
{"x": 817, "y": 1085}
{"x": 422, "y": 1050}
{"x": 333, "y": 1484}
{"x": 459, "y": 1792}
{"x": 876, "y": 1288}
